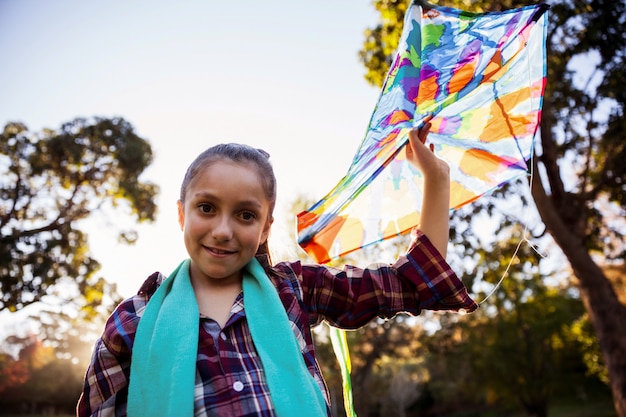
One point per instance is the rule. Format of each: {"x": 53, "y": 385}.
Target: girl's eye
{"x": 205, "y": 208}
{"x": 248, "y": 215}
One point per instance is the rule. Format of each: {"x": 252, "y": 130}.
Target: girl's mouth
{"x": 218, "y": 252}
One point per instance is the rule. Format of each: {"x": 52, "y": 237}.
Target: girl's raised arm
{"x": 435, "y": 215}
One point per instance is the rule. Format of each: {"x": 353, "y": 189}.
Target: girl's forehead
{"x": 226, "y": 165}
{"x": 228, "y": 173}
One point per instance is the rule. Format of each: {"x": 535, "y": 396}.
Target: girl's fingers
{"x": 423, "y": 132}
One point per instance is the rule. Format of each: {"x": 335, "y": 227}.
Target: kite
{"x": 482, "y": 77}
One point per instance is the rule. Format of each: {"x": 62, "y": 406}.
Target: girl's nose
{"x": 222, "y": 230}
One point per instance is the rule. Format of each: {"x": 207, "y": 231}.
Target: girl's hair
{"x": 242, "y": 154}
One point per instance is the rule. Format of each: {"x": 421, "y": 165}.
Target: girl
{"x": 227, "y": 334}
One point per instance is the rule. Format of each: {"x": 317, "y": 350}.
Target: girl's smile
{"x": 218, "y": 252}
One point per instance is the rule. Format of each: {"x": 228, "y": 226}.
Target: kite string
{"x": 538, "y": 249}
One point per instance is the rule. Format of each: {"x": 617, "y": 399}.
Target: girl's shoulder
{"x": 150, "y": 285}
{"x": 286, "y": 270}
{"x": 286, "y": 277}
{"x": 121, "y": 326}
{"x": 283, "y": 270}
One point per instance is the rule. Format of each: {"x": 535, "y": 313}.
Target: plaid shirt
{"x": 229, "y": 374}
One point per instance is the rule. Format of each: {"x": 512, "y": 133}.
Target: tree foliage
{"x": 50, "y": 182}
{"x": 526, "y": 353}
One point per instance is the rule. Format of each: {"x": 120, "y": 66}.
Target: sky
{"x": 280, "y": 75}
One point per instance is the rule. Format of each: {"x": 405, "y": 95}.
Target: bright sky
{"x": 281, "y": 75}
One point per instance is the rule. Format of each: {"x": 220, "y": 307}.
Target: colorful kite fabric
{"x": 482, "y": 78}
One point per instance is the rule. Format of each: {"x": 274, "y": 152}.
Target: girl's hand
{"x": 423, "y": 156}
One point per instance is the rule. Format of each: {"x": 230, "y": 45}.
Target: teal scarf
{"x": 163, "y": 367}
{"x": 293, "y": 388}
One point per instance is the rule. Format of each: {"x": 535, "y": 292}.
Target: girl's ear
{"x": 266, "y": 229}
{"x": 181, "y": 215}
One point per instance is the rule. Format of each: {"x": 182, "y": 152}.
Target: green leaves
{"x": 51, "y": 180}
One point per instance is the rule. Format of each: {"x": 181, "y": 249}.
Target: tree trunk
{"x": 607, "y": 314}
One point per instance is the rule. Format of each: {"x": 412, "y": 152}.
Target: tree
{"x": 522, "y": 350}
{"x": 580, "y": 176}
{"x": 50, "y": 182}
{"x": 525, "y": 353}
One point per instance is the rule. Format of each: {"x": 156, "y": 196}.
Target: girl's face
{"x": 225, "y": 217}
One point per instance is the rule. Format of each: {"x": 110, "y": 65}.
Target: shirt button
{"x": 223, "y": 336}
{"x": 238, "y": 386}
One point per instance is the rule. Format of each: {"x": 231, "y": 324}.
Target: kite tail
{"x": 340, "y": 346}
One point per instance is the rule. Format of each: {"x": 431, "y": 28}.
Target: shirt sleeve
{"x": 105, "y": 390}
{"x": 351, "y": 297}
{"x": 438, "y": 287}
